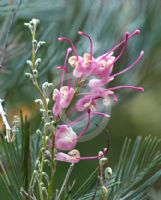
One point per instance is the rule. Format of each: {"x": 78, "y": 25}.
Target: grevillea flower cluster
{"x": 84, "y": 86}
{"x": 94, "y": 74}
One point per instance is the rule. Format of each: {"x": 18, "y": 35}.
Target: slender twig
{"x": 65, "y": 181}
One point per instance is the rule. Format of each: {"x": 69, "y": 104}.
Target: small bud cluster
{"x": 32, "y": 25}
{"x": 104, "y": 177}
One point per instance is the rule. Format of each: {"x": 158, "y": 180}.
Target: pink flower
{"x": 62, "y": 99}
{"x": 85, "y": 103}
{"x": 82, "y": 66}
{"x": 74, "y": 156}
{"x": 105, "y": 95}
{"x": 104, "y": 66}
{"x": 89, "y": 101}
{"x": 101, "y": 66}
{"x": 101, "y": 82}
{"x": 65, "y": 138}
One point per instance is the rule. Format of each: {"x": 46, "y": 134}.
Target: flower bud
{"x": 38, "y": 61}
{"x": 29, "y": 63}
{"x": 29, "y": 75}
{"x": 34, "y": 22}
{"x": 108, "y": 172}
{"x": 102, "y": 161}
{"x": 104, "y": 191}
{"x": 35, "y": 73}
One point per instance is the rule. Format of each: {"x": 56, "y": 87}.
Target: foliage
{"x": 137, "y": 170}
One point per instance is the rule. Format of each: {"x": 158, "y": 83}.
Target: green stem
{"x": 53, "y": 169}
{"x": 33, "y": 51}
{"x": 42, "y": 165}
{"x": 65, "y": 181}
{"x": 34, "y": 77}
{"x": 41, "y": 157}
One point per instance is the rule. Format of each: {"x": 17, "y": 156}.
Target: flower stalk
{"x": 65, "y": 181}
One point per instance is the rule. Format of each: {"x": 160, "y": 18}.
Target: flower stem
{"x": 53, "y": 169}
{"x": 42, "y": 165}
{"x": 45, "y": 105}
{"x": 65, "y": 181}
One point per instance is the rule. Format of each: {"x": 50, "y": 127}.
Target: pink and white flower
{"x": 65, "y": 138}
{"x": 74, "y": 156}
{"x": 63, "y": 98}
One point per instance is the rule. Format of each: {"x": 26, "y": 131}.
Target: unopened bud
{"x": 102, "y": 161}
{"x": 29, "y": 75}
{"x": 29, "y": 63}
{"x": 38, "y": 61}
{"x": 35, "y": 73}
{"x": 34, "y": 22}
{"x": 104, "y": 191}
{"x": 108, "y": 172}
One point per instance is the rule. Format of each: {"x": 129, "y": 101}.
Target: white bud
{"x": 29, "y": 63}
{"x": 29, "y": 75}
{"x": 103, "y": 161}
{"x": 35, "y": 72}
{"x": 42, "y": 110}
{"x": 34, "y": 22}
{"x": 108, "y": 172}
{"x": 28, "y": 25}
{"x": 39, "y": 101}
{"x": 38, "y": 132}
{"x": 104, "y": 191}
{"x": 34, "y": 42}
{"x": 45, "y": 85}
{"x": 38, "y": 61}
{"x": 40, "y": 43}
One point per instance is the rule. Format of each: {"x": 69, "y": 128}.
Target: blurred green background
{"x": 106, "y": 21}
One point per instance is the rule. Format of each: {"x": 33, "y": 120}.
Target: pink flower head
{"x": 62, "y": 99}
{"x": 65, "y": 138}
{"x": 102, "y": 66}
{"x": 74, "y": 156}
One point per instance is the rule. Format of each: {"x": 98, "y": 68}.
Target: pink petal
{"x": 66, "y": 158}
